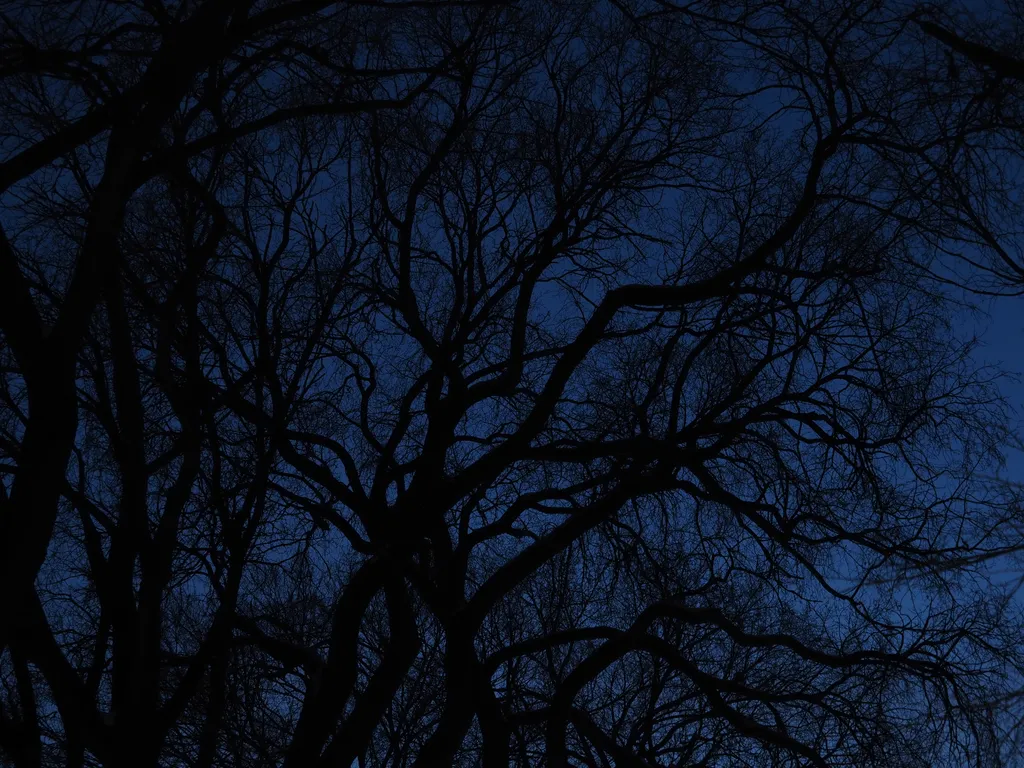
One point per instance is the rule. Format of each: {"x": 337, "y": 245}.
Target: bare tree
{"x": 478, "y": 383}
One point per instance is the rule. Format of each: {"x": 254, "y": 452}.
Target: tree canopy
{"x": 422, "y": 383}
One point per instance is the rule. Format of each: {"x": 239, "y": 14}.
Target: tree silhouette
{"x": 490, "y": 383}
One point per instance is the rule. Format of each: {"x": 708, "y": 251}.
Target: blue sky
{"x": 999, "y": 326}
